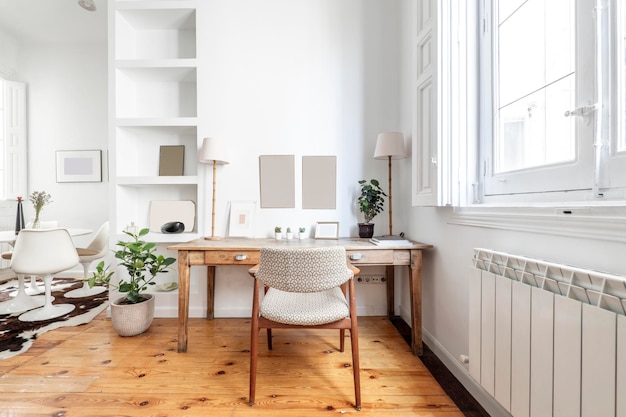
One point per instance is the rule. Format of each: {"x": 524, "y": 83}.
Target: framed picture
{"x": 327, "y": 230}
{"x": 242, "y": 219}
{"x": 79, "y": 166}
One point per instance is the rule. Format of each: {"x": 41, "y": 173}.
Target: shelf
{"x": 165, "y": 238}
{"x": 154, "y": 80}
{"x": 156, "y": 121}
{"x": 156, "y": 63}
{"x": 158, "y": 180}
{"x": 155, "y": 30}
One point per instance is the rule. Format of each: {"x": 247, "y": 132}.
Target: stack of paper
{"x": 390, "y": 241}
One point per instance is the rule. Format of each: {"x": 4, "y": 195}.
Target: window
{"x": 12, "y": 139}
{"x": 549, "y": 81}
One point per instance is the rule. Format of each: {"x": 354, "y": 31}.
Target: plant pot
{"x": 289, "y": 235}
{"x": 366, "y": 230}
{"x": 302, "y": 235}
{"x": 278, "y": 235}
{"x": 132, "y": 319}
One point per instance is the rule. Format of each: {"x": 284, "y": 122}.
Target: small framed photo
{"x": 79, "y": 166}
{"x": 327, "y": 230}
{"x": 242, "y": 218}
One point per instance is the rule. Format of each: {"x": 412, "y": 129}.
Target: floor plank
{"x": 90, "y": 371}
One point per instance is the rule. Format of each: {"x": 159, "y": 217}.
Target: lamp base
{"x": 212, "y": 238}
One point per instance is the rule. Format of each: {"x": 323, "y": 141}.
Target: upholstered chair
{"x": 304, "y": 288}
{"x": 97, "y": 249}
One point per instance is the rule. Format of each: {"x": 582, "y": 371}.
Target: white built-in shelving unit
{"x": 153, "y": 102}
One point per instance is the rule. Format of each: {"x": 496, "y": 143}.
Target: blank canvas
{"x": 277, "y": 175}
{"x": 319, "y": 182}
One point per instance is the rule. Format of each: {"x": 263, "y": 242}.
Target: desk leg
{"x": 210, "y": 292}
{"x": 391, "y": 310}
{"x": 183, "y": 299}
{"x": 415, "y": 282}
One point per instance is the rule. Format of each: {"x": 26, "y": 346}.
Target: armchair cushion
{"x": 304, "y": 309}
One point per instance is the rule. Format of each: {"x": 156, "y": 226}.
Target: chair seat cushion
{"x": 86, "y": 252}
{"x": 304, "y": 309}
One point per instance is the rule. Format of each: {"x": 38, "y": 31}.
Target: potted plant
{"x": 302, "y": 233}
{"x": 289, "y": 233}
{"x": 132, "y": 314}
{"x": 370, "y": 204}
{"x": 278, "y": 232}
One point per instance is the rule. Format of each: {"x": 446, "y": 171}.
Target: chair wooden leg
{"x": 254, "y": 343}
{"x": 356, "y": 367}
{"x": 269, "y": 339}
{"x": 342, "y": 339}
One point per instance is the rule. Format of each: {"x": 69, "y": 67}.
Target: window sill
{"x": 606, "y": 223}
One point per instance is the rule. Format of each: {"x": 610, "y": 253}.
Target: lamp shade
{"x": 390, "y": 144}
{"x": 212, "y": 150}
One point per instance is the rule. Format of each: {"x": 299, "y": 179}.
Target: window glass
{"x": 536, "y": 85}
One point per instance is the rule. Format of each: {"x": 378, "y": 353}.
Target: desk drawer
{"x": 367, "y": 257}
{"x": 232, "y": 257}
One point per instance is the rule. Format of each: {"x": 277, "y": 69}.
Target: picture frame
{"x": 241, "y": 222}
{"x": 327, "y": 230}
{"x": 79, "y": 166}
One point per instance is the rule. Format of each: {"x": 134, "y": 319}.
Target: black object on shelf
{"x": 173, "y": 227}
{"x": 19, "y": 218}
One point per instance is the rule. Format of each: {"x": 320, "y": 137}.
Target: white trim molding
{"x": 607, "y": 223}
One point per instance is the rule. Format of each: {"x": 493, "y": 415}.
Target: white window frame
{"x": 602, "y": 219}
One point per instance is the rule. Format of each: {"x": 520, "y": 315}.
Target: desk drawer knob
{"x": 355, "y": 257}
{"x": 241, "y": 257}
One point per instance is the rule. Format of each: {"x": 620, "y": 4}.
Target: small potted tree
{"x": 302, "y": 233}
{"x": 370, "y": 203}
{"x": 289, "y": 233}
{"x": 132, "y": 314}
{"x": 278, "y": 232}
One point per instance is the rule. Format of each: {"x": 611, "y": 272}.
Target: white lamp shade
{"x": 212, "y": 150}
{"x": 390, "y": 144}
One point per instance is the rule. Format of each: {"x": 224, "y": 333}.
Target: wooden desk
{"x": 246, "y": 251}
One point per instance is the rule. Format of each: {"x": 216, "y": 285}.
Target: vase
{"x": 36, "y": 223}
{"x": 366, "y": 230}
{"x": 132, "y": 319}
{"x": 19, "y": 218}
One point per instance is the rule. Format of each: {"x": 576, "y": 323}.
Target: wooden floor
{"x": 90, "y": 371}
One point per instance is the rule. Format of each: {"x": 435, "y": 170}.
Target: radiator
{"x": 547, "y": 339}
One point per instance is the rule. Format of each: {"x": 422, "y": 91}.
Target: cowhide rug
{"x": 17, "y": 337}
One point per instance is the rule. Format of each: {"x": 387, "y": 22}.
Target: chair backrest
{"x": 43, "y": 251}
{"x": 303, "y": 269}
{"x": 100, "y": 241}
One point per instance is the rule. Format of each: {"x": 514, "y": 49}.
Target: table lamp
{"x": 212, "y": 152}
{"x": 390, "y": 145}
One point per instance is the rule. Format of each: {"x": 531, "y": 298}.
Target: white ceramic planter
{"x": 132, "y": 319}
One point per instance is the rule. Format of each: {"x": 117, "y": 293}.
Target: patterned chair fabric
{"x": 304, "y": 285}
{"x": 303, "y": 269}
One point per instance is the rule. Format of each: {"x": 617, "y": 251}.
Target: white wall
{"x": 312, "y": 77}
{"x": 66, "y": 104}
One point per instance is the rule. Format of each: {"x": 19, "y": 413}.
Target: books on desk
{"x": 390, "y": 241}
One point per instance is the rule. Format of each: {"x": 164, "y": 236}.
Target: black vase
{"x": 19, "y": 218}
{"x": 366, "y": 229}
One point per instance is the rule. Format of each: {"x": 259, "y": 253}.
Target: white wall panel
{"x": 567, "y": 356}
{"x": 541, "y": 352}
{"x": 474, "y": 322}
{"x": 503, "y": 342}
{"x": 487, "y": 344}
{"x": 598, "y": 362}
{"x": 621, "y": 367}
{"x": 520, "y": 348}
